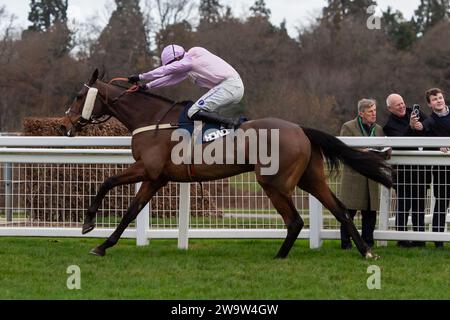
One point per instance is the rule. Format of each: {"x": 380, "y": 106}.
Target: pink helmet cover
{"x": 170, "y": 53}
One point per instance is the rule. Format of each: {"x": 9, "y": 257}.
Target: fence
{"x": 46, "y": 183}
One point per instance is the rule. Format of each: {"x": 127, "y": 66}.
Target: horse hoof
{"x": 87, "y": 227}
{"x": 97, "y": 251}
{"x": 372, "y": 256}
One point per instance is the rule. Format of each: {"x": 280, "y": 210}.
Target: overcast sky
{"x": 296, "y": 12}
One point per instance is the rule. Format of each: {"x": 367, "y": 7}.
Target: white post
{"x": 142, "y": 223}
{"x": 315, "y": 223}
{"x": 7, "y": 175}
{"x": 183, "y": 215}
{"x": 383, "y": 221}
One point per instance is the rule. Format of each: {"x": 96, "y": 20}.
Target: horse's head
{"x": 87, "y": 107}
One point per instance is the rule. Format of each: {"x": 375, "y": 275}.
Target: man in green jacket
{"x": 359, "y": 193}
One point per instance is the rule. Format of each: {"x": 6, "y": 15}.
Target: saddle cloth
{"x": 210, "y": 131}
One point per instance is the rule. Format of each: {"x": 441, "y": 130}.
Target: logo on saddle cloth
{"x": 213, "y": 134}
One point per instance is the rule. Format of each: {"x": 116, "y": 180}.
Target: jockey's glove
{"x": 133, "y": 78}
{"x": 143, "y": 87}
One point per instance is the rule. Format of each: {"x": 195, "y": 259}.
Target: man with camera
{"x": 411, "y": 181}
{"x": 437, "y": 125}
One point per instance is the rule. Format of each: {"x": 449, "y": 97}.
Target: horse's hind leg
{"x": 145, "y": 193}
{"x": 314, "y": 182}
{"x": 134, "y": 173}
{"x": 286, "y": 208}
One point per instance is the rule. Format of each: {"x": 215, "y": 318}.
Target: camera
{"x": 416, "y": 110}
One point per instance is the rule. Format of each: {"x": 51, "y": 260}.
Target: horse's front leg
{"x": 135, "y": 173}
{"x": 146, "y": 192}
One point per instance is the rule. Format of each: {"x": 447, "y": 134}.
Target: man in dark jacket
{"x": 411, "y": 181}
{"x": 437, "y": 125}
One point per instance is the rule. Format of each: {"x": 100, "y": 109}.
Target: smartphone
{"x": 416, "y": 110}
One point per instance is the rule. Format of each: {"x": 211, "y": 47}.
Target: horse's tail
{"x": 334, "y": 150}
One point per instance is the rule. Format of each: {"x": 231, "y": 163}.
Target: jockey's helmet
{"x": 171, "y": 53}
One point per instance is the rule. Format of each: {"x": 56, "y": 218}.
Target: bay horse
{"x": 301, "y": 160}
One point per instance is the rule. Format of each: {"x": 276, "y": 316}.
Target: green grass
{"x": 15, "y": 214}
{"x": 35, "y": 268}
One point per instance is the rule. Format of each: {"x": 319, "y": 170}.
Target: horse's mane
{"x": 145, "y": 93}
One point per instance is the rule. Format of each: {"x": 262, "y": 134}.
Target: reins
{"x": 132, "y": 89}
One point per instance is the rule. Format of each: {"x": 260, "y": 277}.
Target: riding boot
{"x": 213, "y": 117}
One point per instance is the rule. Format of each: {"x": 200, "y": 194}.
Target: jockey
{"x": 205, "y": 70}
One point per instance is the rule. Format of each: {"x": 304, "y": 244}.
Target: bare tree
{"x": 123, "y": 46}
{"x": 433, "y": 54}
{"x": 6, "y": 25}
{"x": 7, "y": 36}
{"x": 162, "y": 13}
{"x": 168, "y": 20}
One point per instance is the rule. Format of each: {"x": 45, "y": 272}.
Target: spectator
{"x": 358, "y": 192}
{"x": 411, "y": 182}
{"x": 437, "y": 125}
